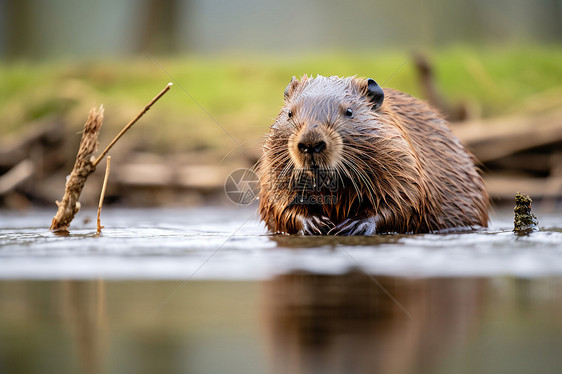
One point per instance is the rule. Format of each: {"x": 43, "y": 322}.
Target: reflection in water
{"x": 353, "y": 323}
{"x": 294, "y": 323}
{"x": 85, "y": 314}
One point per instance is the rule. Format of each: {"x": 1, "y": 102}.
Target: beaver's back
{"x": 455, "y": 193}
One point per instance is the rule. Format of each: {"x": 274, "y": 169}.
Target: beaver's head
{"x": 321, "y": 113}
{"x": 322, "y": 151}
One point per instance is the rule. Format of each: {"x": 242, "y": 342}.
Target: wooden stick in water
{"x": 133, "y": 121}
{"x": 103, "y": 193}
{"x": 83, "y": 167}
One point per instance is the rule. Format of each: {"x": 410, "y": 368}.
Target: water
{"x": 230, "y": 244}
{"x": 208, "y": 291}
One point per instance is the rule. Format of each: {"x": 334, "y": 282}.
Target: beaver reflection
{"x": 348, "y": 323}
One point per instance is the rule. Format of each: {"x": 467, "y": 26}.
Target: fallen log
{"x": 492, "y": 139}
{"x": 504, "y": 187}
{"x": 164, "y": 173}
{"x": 16, "y": 175}
{"x": 15, "y": 148}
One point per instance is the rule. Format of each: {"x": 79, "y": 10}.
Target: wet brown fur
{"x": 398, "y": 166}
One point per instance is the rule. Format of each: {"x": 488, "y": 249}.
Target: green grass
{"x": 244, "y": 94}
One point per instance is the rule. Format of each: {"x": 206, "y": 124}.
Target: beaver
{"x": 344, "y": 157}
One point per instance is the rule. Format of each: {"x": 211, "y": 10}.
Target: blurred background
{"x": 134, "y": 300}
{"x": 494, "y": 68}
{"x": 38, "y": 30}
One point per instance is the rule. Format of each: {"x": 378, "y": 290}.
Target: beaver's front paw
{"x": 316, "y": 225}
{"x": 365, "y": 226}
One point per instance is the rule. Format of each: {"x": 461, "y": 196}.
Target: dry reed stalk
{"x": 83, "y": 167}
{"x": 102, "y": 195}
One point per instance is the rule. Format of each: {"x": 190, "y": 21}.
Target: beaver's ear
{"x": 374, "y": 93}
{"x": 291, "y": 87}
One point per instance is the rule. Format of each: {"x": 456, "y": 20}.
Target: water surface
{"x": 208, "y": 291}
{"x": 230, "y": 243}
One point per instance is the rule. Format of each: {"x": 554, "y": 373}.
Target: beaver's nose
{"x": 312, "y": 148}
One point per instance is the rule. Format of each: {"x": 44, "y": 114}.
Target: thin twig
{"x": 103, "y": 193}
{"x": 133, "y": 121}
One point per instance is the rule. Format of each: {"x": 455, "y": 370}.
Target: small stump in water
{"x": 525, "y": 222}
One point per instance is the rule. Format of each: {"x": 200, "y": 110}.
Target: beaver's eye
{"x": 349, "y": 112}
{"x": 290, "y": 113}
